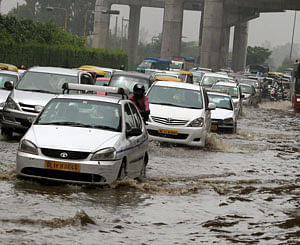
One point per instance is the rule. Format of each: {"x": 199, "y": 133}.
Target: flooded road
{"x": 242, "y": 189}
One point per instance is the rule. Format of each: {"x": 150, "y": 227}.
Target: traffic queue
{"x": 92, "y": 125}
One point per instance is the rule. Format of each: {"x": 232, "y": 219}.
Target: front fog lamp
{"x": 28, "y": 147}
{"x": 105, "y": 154}
{"x": 197, "y": 122}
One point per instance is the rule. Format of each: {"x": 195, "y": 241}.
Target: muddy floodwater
{"x": 240, "y": 189}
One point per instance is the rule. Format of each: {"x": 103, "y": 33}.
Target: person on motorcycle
{"x": 141, "y": 100}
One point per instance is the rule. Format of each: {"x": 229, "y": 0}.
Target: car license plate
{"x": 214, "y": 127}
{"x": 62, "y": 166}
{"x": 167, "y": 131}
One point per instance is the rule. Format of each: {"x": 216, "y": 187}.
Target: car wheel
{"x": 122, "y": 172}
{"x": 6, "y": 132}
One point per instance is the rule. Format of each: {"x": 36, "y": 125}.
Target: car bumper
{"x": 185, "y": 135}
{"x": 219, "y": 125}
{"x": 17, "y": 119}
{"x": 88, "y": 172}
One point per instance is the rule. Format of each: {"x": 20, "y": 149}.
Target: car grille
{"x": 28, "y": 108}
{"x": 63, "y": 175}
{"x": 73, "y": 155}
{"x": 169, "y": 121}
{"x": 178, "y": 136}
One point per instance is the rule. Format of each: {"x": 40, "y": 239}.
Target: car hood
{"x": 219, "y": 113}
{"x": 71, "y": 138}
{"x": 31, "y": 98}
{"x": 175, "y": 112}
{"x": 3, "y": 95}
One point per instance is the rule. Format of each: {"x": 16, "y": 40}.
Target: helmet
{"x": 138, "y": 90}
{"x": 139, "y": 86}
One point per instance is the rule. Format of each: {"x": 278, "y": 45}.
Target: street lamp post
{"x": 122, "y": 30}
{"x": 293, "y": 35}
{"x": 109, "y": 11}
{"x": 51, "y": 8}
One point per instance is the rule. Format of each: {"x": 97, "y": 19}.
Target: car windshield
{"x": 82, "y": 113}
{"x": 146, "y": 64}
{"x": 232, "y": 91}
{"x": 246, "y": 89}
{"x": 222, "y": 102}
{"x": 209, "y": 80}
{"x": 7, "y": 77}
{"x": 44, "y": 82}
{"x": 179, "y": 97}
{"x": 128, "y": 82}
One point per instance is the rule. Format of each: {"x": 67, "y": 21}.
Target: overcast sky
{"x": 273, "y": 27}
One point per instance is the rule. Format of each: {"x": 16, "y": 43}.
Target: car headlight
{"x": 10, "y": 104}
{"x": 228, "y": 121}
{"x": 105, "y": 154}
{"x": 198, "y": 122}
{"x": 28, "y": 147}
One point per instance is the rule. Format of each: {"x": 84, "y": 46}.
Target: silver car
{"x": 85, "y": 139}
{"x": 32, "y": 92}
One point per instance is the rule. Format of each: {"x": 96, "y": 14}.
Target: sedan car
{"x": 85, "y": 139}
{"x": 179, "y": 113}
{"x": 250, "y": 96}
{"x": 223, "y": 118}
{"x": 127, "y": 80}
{"x": 209, "y": 79}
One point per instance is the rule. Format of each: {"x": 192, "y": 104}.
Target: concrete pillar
{"x": 240, "y": 44}
{"x": 133, "y": 33}
{"x": 101, "y": 24}
{"x": 200, "y": 37}
{"x": 225, "y": 47}
{"x": 172, "y": 28}
{"x": 210, "y": 54}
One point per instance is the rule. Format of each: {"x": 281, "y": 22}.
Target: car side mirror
{"x": 211, "y": 106}
{"x": 9, "y": 85}
{"x": 133, "y": 132}
{"x": 242, "y": 96}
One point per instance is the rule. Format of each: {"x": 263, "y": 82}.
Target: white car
{"x": 6, "y": 76}
{"x": 223, "y": 118}
{"x": 209, "y": 79}
{"x": 86, "y": 139}
{"x": 234, "y": 91}
{"x": 179, "y": 113}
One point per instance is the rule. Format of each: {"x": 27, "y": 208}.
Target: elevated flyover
{"x": 216, "y": 19}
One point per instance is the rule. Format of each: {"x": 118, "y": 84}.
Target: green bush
{"x": 31, "y": 54}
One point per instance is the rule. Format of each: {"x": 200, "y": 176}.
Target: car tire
{"x": 122, "y": 172}
{"x": 6, "y": 132}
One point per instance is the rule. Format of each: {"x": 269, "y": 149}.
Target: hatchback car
{"x": 233, "y": 89}
{"x": 209, "y": 79}
{"x": 86, "y": 139}
{"x": 32, "y": 92}
{"x": 223, "y": 118}
{"x": 250, "y": 96}
{"x": 179, "y": 113}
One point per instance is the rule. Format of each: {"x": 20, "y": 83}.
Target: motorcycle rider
{"x": 141, "y": 101}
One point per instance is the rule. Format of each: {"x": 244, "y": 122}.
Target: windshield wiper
{"x": 38, "y": 90}
{"x": 65, "y": 124}
{"x": 225, "y": 108}
{"x": 168, "y": 104}
{"x": 105, "y": 127}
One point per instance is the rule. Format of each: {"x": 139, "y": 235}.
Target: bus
{"x": 295, "y": 87}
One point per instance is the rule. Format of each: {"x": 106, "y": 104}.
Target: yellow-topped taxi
{"x": 167, "y": 78}
{"x": 96, "y": 71}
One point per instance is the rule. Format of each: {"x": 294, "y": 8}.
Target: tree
{"x": 36, "y": 10}
{"x": 257, "y": 55}
{"x": 287, "y": 63}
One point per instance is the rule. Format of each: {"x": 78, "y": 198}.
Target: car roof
{"x": 94, "y": 97}
{"x": 9, "y": 72}
{"x": 177, "y": 85}
{"x": 211, "y": 74}
{"x": 229, "y": 84}
{"x": 56, "y": 70}
{"x": 245, "y": 84}
{"x": 131, "y": 74}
